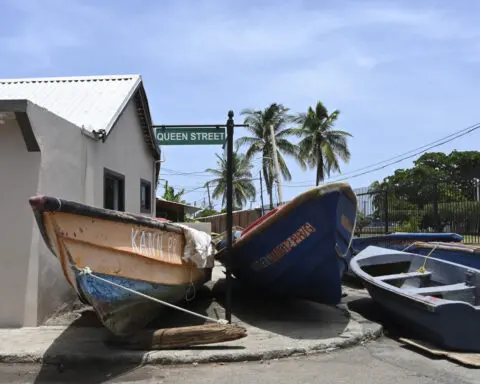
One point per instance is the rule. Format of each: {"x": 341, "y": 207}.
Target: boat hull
{"x": 301, "y": 250}
{"x": 120, "y": 310}
{"x": 133, "y": 251}
{"x": 434, "y": 308}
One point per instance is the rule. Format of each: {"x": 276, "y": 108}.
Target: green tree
{"x": 260, "y": 142}
{"x": 170, "y": 195}
{"x": 361, "y": 222}
{"x": 435, "y": 192}
{"x": 321, "y": 146}
{"x": 243, "y": 187}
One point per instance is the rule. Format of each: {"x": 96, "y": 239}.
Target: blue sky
{"x": 402, "y": 73}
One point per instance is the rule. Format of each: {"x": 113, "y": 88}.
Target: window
{"x": 113, "y": 190}
{"x": 145, "y": 196}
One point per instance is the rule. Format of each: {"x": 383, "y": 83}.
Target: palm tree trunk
{"x": 320, "y": 175}
{"x": 268, "y": 184}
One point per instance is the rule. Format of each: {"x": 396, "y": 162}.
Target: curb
{"x": 358, "y": 331}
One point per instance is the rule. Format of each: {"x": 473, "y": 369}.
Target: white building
{"x": 87, "y": 139}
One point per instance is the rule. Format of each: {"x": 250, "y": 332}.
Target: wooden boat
{"x": 436, "y": 298}
{"x": 468, "y": 255}
{"x": 299, "y": 250}
{"x": 146, "y": 255}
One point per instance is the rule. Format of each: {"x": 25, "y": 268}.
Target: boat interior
{"x": 428, "y": 277}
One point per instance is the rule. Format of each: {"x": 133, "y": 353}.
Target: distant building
{"x": 87, "y": 139}
{"x": 174, "y": 211}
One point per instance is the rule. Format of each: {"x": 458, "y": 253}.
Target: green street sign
{"x": 190, "y": 135}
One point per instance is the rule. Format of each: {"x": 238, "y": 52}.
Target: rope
{"x": 192, "y": 286}
{"x": 88, "y": 271}
{"x": 408, "y": 246}
{"x": 422, "y": 268}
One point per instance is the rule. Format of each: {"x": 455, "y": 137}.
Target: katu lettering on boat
{"x": 150, "y": 243}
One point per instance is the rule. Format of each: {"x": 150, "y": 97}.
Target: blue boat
{"x": 301, "y": 249}
{"x": 468, "y": 255}
{"x": 401, "y": 240}
{"x": 113, "y": 259}
{"x": 437, "y": 299}
{"x": 398, "y": 241}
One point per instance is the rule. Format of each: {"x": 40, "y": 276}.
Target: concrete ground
{"x": 377, "y": 362}
{"x": 275, "y": 328}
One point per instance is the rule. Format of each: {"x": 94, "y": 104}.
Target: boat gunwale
{"x": 417, "y": 299}
{"x": 456, "y": 238}
{"x": 445, "y": 246}
{"x": 44, "y": 204}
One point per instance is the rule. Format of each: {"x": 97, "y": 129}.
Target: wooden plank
{"x": 405, "y": 275}
{"x": 181, "y": 337}
{"x": 440, "y": 289}
{"x": 464, "y": 358}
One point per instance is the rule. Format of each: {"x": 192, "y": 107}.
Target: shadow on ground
{"x": 84, "y": 333}
{"x": 370, "y": 310}
{"x": 56, "y": 370}
{"x": 294, "y": 318}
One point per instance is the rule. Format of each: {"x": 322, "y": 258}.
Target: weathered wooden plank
{"x": 181, "y": 337}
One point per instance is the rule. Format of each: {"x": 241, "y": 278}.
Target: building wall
{"x": 69, "y": 166}
{"x": 18, "y": 180}
{"x": 124, "y": 152}
{"x": 62, "y": 174}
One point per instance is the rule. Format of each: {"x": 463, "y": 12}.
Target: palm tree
{"x": 170, "y": 195}
{"x": 321, "y": 145}
{"x": 260, "y": 124}
{"x": 243, "y": 187}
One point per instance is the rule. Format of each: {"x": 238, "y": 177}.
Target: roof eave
{"x": 19, "y": 109}
{"x": 188, "y": 208}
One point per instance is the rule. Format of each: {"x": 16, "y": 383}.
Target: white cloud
{"x": 401, "y": 65}
{"x": 211, "y": 35}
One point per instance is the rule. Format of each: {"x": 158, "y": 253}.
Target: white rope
{"x": 404, "y": 249}
{"x": 88, "y": 271}
{"x": 433, "y": 249}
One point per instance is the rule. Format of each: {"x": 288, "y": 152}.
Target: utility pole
{"x": 276, "y": 164}
{"x": 209, "y": 200}
{"x": 261, "y": 192}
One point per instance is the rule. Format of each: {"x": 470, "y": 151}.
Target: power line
{"x": 354, "y": 173}
{"x": 174, "y": 172}
{"x": 433, "y": 144}
{"x": 470, "y": 130}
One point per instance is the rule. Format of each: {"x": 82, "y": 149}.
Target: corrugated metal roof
{"x": 92, "y": 102}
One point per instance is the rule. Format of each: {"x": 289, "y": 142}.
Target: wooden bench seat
{"x": 406, "y": 275}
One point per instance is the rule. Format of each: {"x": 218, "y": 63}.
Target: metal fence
{"x": 439, "y": 207}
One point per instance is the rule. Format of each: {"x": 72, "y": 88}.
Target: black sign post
{"x": 207, "y": 135}
{"x": 228, "y": 270}
{"x": 228, "y": 259}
